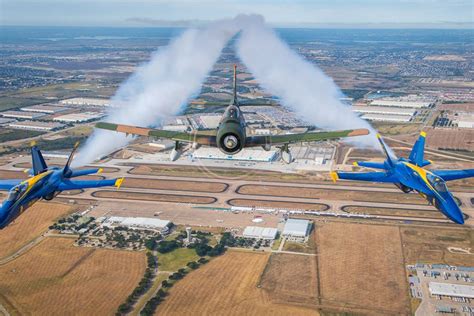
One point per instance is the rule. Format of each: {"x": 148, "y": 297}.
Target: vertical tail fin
{"x": 67, "y": 170}
{"x": 38, "y": 163}
{"x": 418, "y": 151}
{"x": 389, "y": 154}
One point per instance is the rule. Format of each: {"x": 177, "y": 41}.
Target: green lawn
{"x": 176, "y": 259}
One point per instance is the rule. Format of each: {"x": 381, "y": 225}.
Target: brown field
{"x": 291, "y": 278}
{"x": 30, "y": 225}
{"x": 56, "y": 278}
{"x": 226, "y": 286}
{"x": 154, "y": 197}
{"x": 429, "y": 245}
{"x": 361, "y": 268}
{"x": 278, "y": 204}
{"x": 326, "y": 194}
{"x": 393, "y": 212}
{"x": 185, "y": 185}
{"x": 456, "y": 138}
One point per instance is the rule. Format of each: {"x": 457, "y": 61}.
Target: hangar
{"x": 297, "y": 230}
{"x": 453, "y": 290}
{"x": 256, "y": 232}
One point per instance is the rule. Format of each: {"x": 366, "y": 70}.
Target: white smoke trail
{"x": 301, "y": 86}
{"x": 159, "y": 88}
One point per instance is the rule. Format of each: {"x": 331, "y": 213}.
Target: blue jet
{"x": 409, "y": 175}
{"x": 44, "y": 183}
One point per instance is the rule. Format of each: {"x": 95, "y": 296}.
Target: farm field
{"x": 226, "y": 286}
{"x": 185, "y": 185}
{"x": 360, "y": 267}
{"x": 127, "y": 195}
{"x": 30, "y": 225}
{"x": 56, "y": 278}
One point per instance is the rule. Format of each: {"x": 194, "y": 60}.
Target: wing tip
{"x": 334, "y": 176}
{"x": 118, "y": 182}
{"x": 100, "y": 170}
{"x": 355, "y": 163}
{"x": 423, "y": 134}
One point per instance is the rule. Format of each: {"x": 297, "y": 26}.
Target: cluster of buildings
{"x": 296, "y": 230}
{"x": 390, "y": 109}
{"x": 51, "y": 117}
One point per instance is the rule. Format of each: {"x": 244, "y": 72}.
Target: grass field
{"x": 430, "y": 245}
{"x": 29, "y": 225}
{"x": 291, "y": 278}
{"x": 226, "y": 286}
{"x": 185, "y": 185}
{"x": 361, "y": 268}
{"x": 176, "y": 259}
{"x": 7, "y": 135}
{"x": 127, "y": 195}
{"x": 8, "y": 103}
{"x": 56, "y": 278}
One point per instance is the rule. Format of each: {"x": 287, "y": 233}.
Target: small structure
{"x": 163, "y": 226}
{"x": 297, "y": 230}
{"x": 255, "y": 232}
{"x": 188, "y": 235}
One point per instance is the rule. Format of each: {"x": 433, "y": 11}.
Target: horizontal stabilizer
{"x": 84, "y": 172}
{"x": 86, "y": 184}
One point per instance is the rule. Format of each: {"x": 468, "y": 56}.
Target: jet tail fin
{"x": 388, "y": 153}
{"x": 418, "y": 151}
{"x": 38, "y": 163}
{"x": 67, "y": 170}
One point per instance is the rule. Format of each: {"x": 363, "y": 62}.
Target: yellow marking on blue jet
{"x": 423, "y": 134}
{"x": 355, "y": 164}
{"x": 423, "y": 175}
{"x": 334, "y": 176}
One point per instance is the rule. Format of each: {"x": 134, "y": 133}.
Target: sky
{"x": 285, "y": 13}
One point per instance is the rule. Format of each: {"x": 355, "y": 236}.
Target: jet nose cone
{"x": 458, "y": 217}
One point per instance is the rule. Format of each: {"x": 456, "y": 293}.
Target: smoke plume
{"x": 160, "y": 88}
{"x": 301, "y": 86}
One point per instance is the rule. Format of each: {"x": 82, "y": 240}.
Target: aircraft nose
{"x": 230, "y": 142}
{"x": 458, "y": 217}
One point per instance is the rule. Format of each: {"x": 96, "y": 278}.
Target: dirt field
{"x": 56, "y": 278}
{"x": 278, "y": 204}
{"x": 393, "y": 212}
{"x": 185, "y": 185}
{"x": 30, "y": 225}
{"x": 361, "y": 268}
{"x": 428, "y": 245}
{"x": 291, "y": 278}
{"x": 323, "y": 194}
{"x": 226, "y": 286}
{"x": 154, "y": 197}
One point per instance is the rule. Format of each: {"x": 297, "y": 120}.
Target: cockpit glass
{"x": 16, "y": 191}
{"x": 437, "y": 183}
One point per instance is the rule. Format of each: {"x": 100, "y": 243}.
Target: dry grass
{"x": 175, "y": 185}
{"x": 278, "y": 204}
{"x": 154, "y": 197}
{"x": 30, "y": 225}
{"x": 291, "y": 278}
{"x": 56, "y": 278}
{"x": 226, "y": 286}
{"x": 324, "y": 194}
{"x": 361, "y": 268}
{"x": 429, "y": 245}
{"x": 394, "y": 212}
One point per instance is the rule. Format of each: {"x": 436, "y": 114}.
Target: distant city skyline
{"x": 284, "y": 13}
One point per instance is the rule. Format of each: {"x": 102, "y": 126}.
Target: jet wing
{"x": 365, "y": 176}
{"x": 85, "y": 184}
{"x": 201, "y": 137}
{"x": 303, "y": 137}
{"x": 449, "y": 175}
{"x": 8, "y": 184}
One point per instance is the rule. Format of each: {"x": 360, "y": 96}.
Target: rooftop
{"x": 296, "y": 227}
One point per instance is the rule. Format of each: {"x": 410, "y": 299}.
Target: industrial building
{"x": 464, "y": 120}
{"x": 386, "y": 117}
{"x": 244, "y": 155}
{"x": 160, "y": 225}
{"x": 48, "y": 109}
{"x": 384, "y": 110}
{"x": 86, "y": 101}
{"x": 452, "y": 290}
{"x": 36, "y": 125}
{"x": 256, "y": 232}
{"x": 297, "y": 230}
{"x": 79, "y": 117}
{"x": 22, "y": 115}
{"x": 4, "y": 120}
{"x": 402, "y": 103}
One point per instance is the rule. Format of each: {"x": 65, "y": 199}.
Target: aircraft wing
{"x": 449, "y": 175}
{"x": 8, "y": 184}
{"x": 364, "y": 176}
{"x": 302, "y": 137}
{"x": 85, "y": 184}
{"x": 200, "y": 137}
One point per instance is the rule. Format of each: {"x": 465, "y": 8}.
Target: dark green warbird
{"x": 230, "y": 136}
